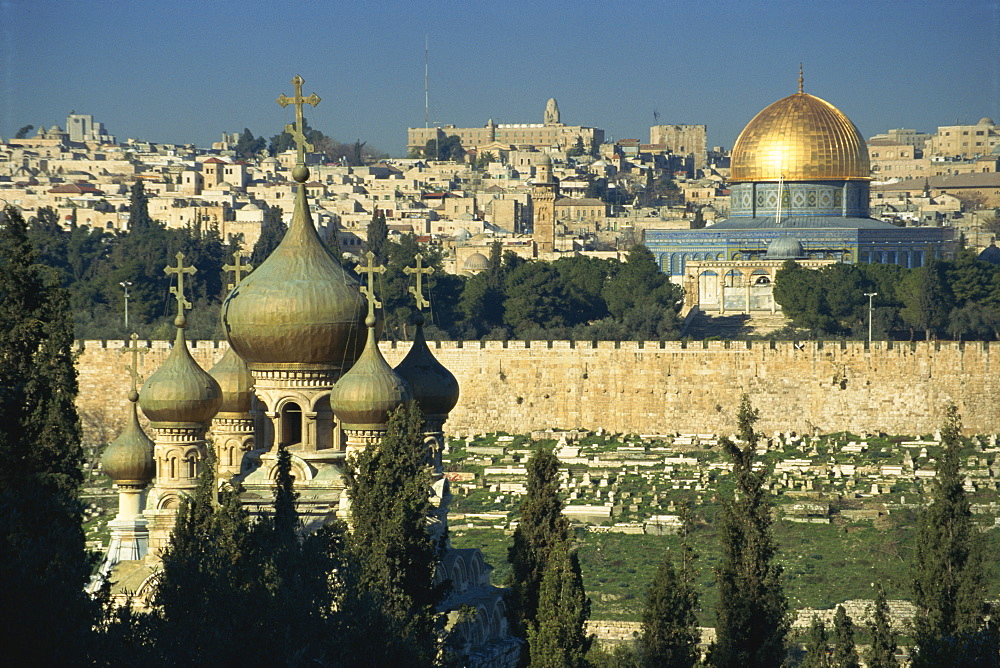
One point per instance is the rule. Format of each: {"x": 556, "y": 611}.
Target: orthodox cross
{"x": 371, "y": 269}
{"x": 178, "y": 290}
{"x": 133, "y": 370}
{"x": 420, "y": 270}
{"x": 296, "y": 129}
{"x": 238, "y": 269}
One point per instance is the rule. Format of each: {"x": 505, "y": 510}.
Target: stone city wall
{"x": 658, "y": 388}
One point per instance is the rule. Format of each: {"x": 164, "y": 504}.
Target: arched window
{"x": 291, "y": 423}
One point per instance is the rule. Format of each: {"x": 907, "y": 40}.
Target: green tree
{"x": 444, "y": 148}
{"x": 817, "y": 646}
{"x": 138, "y": 209}
{"x": 642, "y": 298}
{"x": 43, "y": 562}
{"x": 557, "y": 637}
{"x": 882, "y": 651}
{"x": 541, "y": 529}
{"x": 670, "y": 633}
{"x": 751, "y": 620}
{"x": 926, "y": 299}
{"x": 577, "y": 149}
{"x": 248, "y": 147}
{"x": 534, "y": 298}
{"x": 396, "y": 556}
{"x": 271, "y": 233}
{"x": 23, "y": 131}
{"x": 845, "y": 654}
{"x": 378, "y": 235}
{"x": 948, "y": 573}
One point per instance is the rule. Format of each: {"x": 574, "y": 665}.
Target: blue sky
{"x": 186, "y": 71}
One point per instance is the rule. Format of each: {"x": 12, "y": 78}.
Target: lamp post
{"x": 126, "y": 285}
{"x": 870, "y": 295}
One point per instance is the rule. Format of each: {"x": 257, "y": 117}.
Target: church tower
{"x": 180, "y": 400}
{"x": 543, "y": 202}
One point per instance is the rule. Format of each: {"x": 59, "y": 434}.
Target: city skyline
{"x": 185, "y": 72}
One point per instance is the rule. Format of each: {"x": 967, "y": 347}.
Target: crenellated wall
{"x": 653, "y": 388}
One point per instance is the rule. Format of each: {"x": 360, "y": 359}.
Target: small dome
{"x": 128, "y": 460}
{"x": 785, "y": 248}
{"x": 235, "y": 381}
{"x": 364, "y": 397}
{"x": 543, "y": 159}
{"x": 800, "y": 138}
{"x": 462, "y": 235}
{"x": 300, "y": 309}
{"x": 985, "y": 120}
{"x": 434, "y": 388}
{"x": 180, "y": 392}
{"x": 476, "y": 262}
{"x": 990, "y": 254}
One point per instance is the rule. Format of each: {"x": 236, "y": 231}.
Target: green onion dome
{"x": 365, "y": 395}
{"x": 300, "y": 309}
{"x": 434, "y": 388}
{"x": 180, "y": 393}
{"x": 128, "y": 460}
{"x": 236, "y": 382}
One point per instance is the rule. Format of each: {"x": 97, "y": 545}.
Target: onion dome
{"x": 365, "y": 395}
{"x": 800, "y": 138}
{"x": 434, "y": 388}
{"x": 785, "y": 248}
{"x": 128, "y": 460}
{"x": 180, "y": 393}
{"x": 300, "y": 309}
{"x": 236, "y": 382}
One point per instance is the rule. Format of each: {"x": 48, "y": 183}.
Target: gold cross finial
{"x": 238, "y": 269}
{"x": 420, "y": 270}
{"x": 369, "y": 290}
{"x": 178, "y": 290}
{"x": 800, "y": 77}
{"x": 296, "y": 130}
{"x": 133, "y": 369}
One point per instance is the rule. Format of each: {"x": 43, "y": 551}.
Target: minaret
{"x": 128, "y": 461}
{"x": 543, "y": 203}
{"x": 435, "y": 390}
{"x": 180, "y": 399}
{"x": 233, "y": 425}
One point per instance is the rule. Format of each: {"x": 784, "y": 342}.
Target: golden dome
{"x": 365, "y": 395}
{"x": 800, "y": 138}
{"x": 180, "y": 393}
{"x": 434, "y": 388}
{"x": 236, "y": 381}
{"x": 300, "y": 309}
{"x": 128, "y": 460}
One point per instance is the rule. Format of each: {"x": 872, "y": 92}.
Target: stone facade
{"x": 654, "y": 388}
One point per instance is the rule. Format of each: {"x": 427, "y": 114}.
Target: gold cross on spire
{"x": 133, "y": 369}
{"x": 178, "y": 290}
{"x": 238, "y": 269}
{"x": 420, "y": 270}
{"x": 368, "y": 290}
{"x": 296, "y": 129}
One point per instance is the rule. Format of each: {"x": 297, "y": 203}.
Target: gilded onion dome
{"x": 180, "y": 393}
{"x": 128, "y": 460}
{"x": 434, "y": 388}
{"x": 236, "y": 382}
{"x": 365, "y": 395}
{"x": 300, "y": 309}
{"x": 800, "y": 138}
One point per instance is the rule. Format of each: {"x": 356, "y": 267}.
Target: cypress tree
{"x": 882, "y": 651}
{"x": 845, "y": 654}
{"x": 817, "y": 646}
{"x": 541, "y": 529}
{"x": 948, "y": 572}
{"x": 272, "y": 231}
{"x": 139, "y": 219}
{"x": 43, "y": 562}
{"x": 378, "y": 235}
{"x": 389, "y": 490}
{"x": 557, "y": 637}
{"x": 670, "y": 633}
{"x": 752, "y": 615}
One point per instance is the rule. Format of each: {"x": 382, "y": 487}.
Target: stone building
{"x": 800, "y": 169}
{"x": 682, "y": 140}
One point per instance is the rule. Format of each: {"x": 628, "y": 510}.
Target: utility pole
{"x": 126, "y": 285}
{"x": 870, "y": 295}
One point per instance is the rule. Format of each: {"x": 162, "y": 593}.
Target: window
{"x": 291, "y": 423}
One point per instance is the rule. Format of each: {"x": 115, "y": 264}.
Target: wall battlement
{"x": 662, "y": 387}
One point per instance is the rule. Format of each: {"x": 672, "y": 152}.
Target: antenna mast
{"x": 427, "y": 105}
